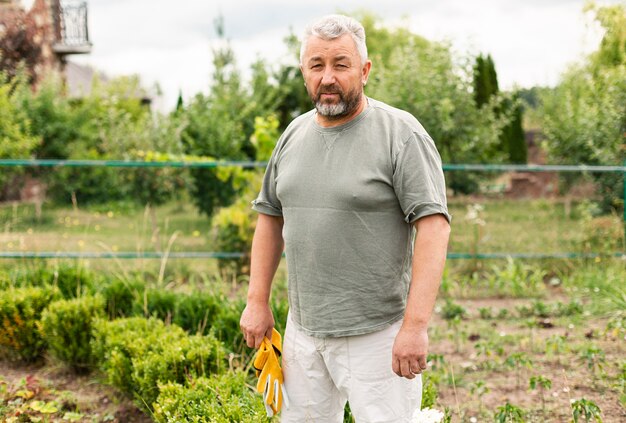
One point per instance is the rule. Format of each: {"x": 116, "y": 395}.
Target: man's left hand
{"x": 409, "y": 351}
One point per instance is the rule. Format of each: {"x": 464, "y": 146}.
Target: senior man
{"x": 355, "y": 193}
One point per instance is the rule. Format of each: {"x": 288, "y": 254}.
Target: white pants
{"x": 321, "y": 374}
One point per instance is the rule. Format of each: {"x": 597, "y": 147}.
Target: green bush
{"x": 192, "y": 356}
{"x": 116, "y": 343}
{"x": 136, "y": 354}
{"x": 219, "y": 399}
{"x": 66, "y": 326}
{"x": 120, "y": 297}
{"x": 20, "y": 311}
{"x": 159, "y": 303}
{"x": 72, "y": 280}
{"x": 196, "y": 312}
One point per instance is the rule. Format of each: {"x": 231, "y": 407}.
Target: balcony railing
{"x": 72, "y": 32}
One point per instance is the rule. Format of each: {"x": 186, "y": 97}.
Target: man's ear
{"x": 365, "y": 72}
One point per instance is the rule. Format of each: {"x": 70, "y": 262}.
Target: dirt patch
{"x": 465, "y": 365}
{"x": 25, "y": 391}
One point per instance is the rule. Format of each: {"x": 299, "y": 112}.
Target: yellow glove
{"x": 270, "y": 374}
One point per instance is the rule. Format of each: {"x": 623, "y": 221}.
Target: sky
{"x": 169, "y": 43}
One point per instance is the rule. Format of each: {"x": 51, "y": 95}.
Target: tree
{"x": 487, "y": 94}
{"x": 16, "y": 138}
{"x": 425, "y": 79}
{"x": 485, "y": 80}
{"x": 220, "y": 124}
{"x": 584, "y": 116}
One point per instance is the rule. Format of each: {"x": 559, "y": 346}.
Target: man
{"x": 347, "y": 188}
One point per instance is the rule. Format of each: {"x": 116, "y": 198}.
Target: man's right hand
{"x": 256, "y": 322}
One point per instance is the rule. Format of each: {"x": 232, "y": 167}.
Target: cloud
{"x": 531, "y": 41}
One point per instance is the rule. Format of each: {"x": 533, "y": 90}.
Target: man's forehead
{"x": 317, "y": 47}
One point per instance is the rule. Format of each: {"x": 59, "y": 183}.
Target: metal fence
{"x": 585, "y": 169}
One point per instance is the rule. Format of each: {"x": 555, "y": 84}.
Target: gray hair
{"x": 334, "y": 26}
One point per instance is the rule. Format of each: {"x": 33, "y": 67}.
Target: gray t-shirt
{"x": 349, "y": 195}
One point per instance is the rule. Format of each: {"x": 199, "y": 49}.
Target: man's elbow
{"x": 434, "y": 225}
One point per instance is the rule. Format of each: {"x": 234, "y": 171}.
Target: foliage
{"x": 110, "y": 122}
{"x": 20, "y": 311}
{"x": 426, "y": 80}
{"x": 220, "y": 399}
{"x": 221, "y": 123}
{"x": 137, "y": 353}
{"x": 116, "y": 343}
{"x": 587, "y": 409}
{"x": 16, "y": 138}
{"x": 512, "y": 139}
{"x": 120, "y": 296}
{"x": 451, "y": 310}
{"x": 234, "y": 226}
{"x": 71, "y": 280}
{"x": 584, "y": 117}
{"x": 509, "y": 413}
{"x": 191, "y": 356}
{"x": 66, "y": 326}
{"x": 485, "y": 80}
{"x": 429, "y": 392}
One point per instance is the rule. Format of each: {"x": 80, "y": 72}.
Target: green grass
{"x": 502, "y": 226}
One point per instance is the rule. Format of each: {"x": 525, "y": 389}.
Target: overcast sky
{"x": 168, "y": 42}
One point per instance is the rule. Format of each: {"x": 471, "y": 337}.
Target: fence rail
{"x": 221, "y": 255}
{"x": 260, "y": 164}
{"x": 253, "y": 164}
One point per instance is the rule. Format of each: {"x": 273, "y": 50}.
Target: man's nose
{"x": 328, "y": 77}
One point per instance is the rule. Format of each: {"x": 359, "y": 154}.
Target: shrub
{"x": 196, "y": 312}
{"x": 66, "y": 326}
{"x": 20, "y": 310}
{"x": 72, "y": 280}
{"x": 159, "y": 303}
{"x": 219, "y": 399}
{"x": 136, "y": 354}
{"x": 120, "y": 297}
{"x": 191, "y": 356}
{"x": 116, "y": 343}
{"x": 225, "y": 325}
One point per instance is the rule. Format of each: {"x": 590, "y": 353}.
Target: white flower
{"x": 427, "y": 415}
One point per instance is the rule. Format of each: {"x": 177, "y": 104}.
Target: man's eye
{"x": 316, "y": 66}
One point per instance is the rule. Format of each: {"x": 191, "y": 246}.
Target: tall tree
{"x": 485, "y": 80}
{"x": 487, "y": 94}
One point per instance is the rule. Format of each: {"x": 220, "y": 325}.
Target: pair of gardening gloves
{"x": 270, "y": 375}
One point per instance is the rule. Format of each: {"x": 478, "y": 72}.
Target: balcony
{"x": 71, "y": 28}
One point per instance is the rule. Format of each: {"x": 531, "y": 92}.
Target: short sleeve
{"x": 267, "y": 202}
{"x": 418, "y": 179}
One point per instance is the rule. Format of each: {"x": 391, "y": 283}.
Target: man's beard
{"x": 345, "y": 106}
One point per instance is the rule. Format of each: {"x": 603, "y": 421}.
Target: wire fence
{"x": 500, "y": 168}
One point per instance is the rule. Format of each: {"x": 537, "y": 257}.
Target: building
{"x": 42, "y": 36}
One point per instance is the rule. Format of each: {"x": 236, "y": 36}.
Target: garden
{"x": 112, "y": 310}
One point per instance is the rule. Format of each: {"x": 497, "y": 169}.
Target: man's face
{"x": 334, "y": 75}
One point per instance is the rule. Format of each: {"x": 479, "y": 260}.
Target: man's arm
{"x": 257, "y": 319}
{"x": 410, "y": 348}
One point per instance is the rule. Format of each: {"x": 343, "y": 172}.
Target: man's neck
{"x": 326, "y": 122}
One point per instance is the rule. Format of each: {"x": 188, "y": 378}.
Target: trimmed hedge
{"x": 136, "y": 354}
{"x": 67, "y": 327}
{"x": 219, "y": 399}
{"x": 20, "y": 311}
